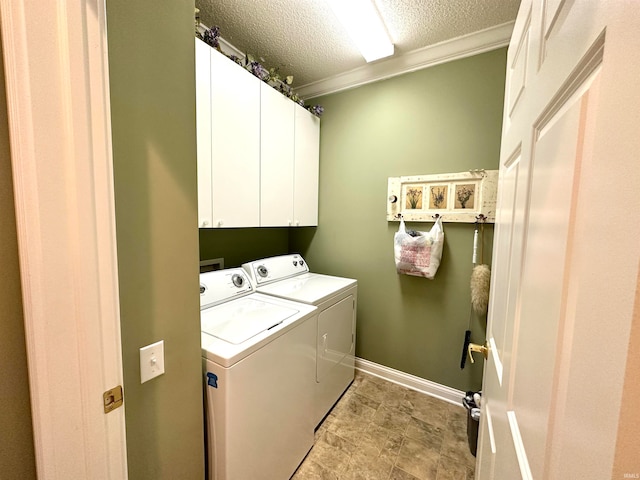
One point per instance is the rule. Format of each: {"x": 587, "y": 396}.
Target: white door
{"x": 59, "y": 123}
{"x": 566, "y": 246}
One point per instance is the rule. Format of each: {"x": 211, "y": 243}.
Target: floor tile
{"x": 457, "y": 449}
{"x": 310, "y": 470}
{"x": 365, "y": 467}
{"x": 338, "y": 442}
{"x": 330, "y": 457}
{"x": 392, "y": 446}
{"x": 349, "y": 426}
{"x": 426, "y": 408}
{"x": 374, "y": 439}
{"x": 391, "y": 418}
{"x": 449, "y": 469}
{"x": 426, "y": 433}
{"x": 417, "y": 459}
{"x": 379, "y": 430}
{"x": 399, "y": 474}
{"x": 359, "y": 405}
{"x": 372, "y": 389}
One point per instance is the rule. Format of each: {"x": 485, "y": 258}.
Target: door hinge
{"x": 112, "y": 399}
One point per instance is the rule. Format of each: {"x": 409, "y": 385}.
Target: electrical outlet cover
{"x": 151, "y": 361}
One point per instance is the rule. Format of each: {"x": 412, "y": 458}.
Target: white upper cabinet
{"x": 235, "y": 144}
{"x": 203, "y": 130}
{"x": 257, "y": 150}
{"x": 277, "y": 158}
{"x": 306, "y": 170}
{"x": 228, "y": 141}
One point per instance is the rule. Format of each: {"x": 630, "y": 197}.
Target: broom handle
{"x": 475, "y": 245}
{"x": 482, "y": 242}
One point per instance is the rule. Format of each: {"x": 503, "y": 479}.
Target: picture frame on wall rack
{"x": 456, "y": 197}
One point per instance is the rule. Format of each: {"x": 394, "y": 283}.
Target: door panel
{"x": 559, "y": 186}
{"x": 498, "y": 334}
{"x": 517, "y": 74}
{"x": 556, "y": 165}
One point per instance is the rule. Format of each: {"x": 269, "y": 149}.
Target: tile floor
{"x": 382, "y": 431}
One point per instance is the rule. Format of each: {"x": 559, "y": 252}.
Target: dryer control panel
{"x": 277, "y": 268}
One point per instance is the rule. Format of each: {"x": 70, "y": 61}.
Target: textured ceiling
{"x": 304, "y": 39}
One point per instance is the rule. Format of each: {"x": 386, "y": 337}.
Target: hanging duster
{"x": 480, "y": 280}
{"x": 480, "y": 276}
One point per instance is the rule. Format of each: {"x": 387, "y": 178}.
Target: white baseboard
{"x": 407, "y": 380}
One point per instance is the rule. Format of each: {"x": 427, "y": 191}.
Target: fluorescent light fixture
{"x": 364, "y": 25}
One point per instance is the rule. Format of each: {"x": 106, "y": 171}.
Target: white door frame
{"x": 55, "y": 56}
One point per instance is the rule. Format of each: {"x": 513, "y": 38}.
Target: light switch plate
{"x": 151, "y": 361}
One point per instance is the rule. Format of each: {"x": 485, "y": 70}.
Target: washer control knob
{"x": 238, "y": 280}
{"x": 301, "y": 262}
{"x": 295, "y": 263}
{"x": 262, "y": 271}
{"x": 202, "y": 289}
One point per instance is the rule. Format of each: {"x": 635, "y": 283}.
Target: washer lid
{"x": 309, "y": 288}
{"x": 239, "y": 320}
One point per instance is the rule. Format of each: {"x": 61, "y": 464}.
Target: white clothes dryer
{"x": 288, "y": 277}
{"x": 258, "y": 357}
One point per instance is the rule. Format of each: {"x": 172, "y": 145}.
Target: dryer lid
{"x": 309, "y": 288}
{"x": 239, "y": 320}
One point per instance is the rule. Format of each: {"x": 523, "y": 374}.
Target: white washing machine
{"x": 288, "y": 276}
{"x": 259, "y": 366}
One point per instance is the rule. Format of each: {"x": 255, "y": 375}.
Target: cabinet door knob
{"x": 205, "y": 223}
{"x": 220, "y": 222}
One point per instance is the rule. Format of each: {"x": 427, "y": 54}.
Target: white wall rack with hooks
{"x": 456, "y": 197}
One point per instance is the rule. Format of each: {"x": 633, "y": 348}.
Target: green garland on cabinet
{"x": 211, "y": 36}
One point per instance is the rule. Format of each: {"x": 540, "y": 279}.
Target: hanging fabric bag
{"x": 419, "y": 253}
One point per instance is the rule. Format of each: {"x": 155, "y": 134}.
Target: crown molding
{"x": 457, "y": 48}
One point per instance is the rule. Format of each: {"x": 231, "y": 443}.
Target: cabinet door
{"x": 306, "y": 169}
{"x": 235, "y": 144}
{"x": 203, "y": 131}
{"x": 276, "y": 158}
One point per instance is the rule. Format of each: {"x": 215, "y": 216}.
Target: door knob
{"x": 474, "y": 347}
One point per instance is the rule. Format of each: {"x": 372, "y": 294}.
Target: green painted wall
{"x": 442, "y": 119}
{"x": 152, "y": 81}
{"x": 17, "y": 457}
{"x": 240, "y": 245}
